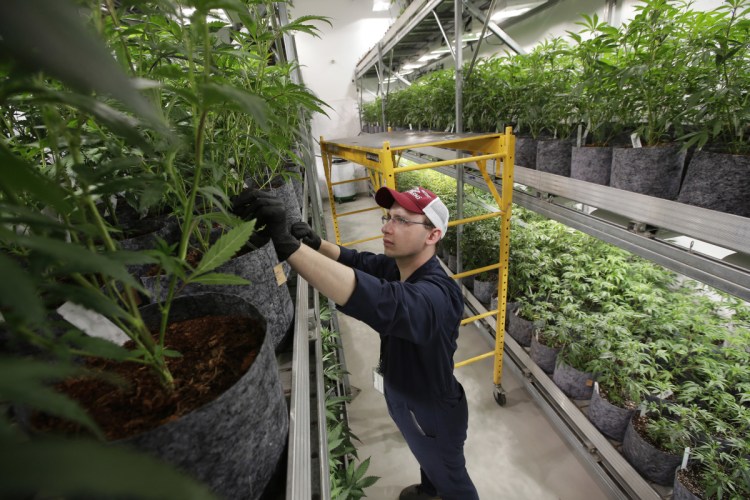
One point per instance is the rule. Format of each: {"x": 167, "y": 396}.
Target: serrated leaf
{"x": 216, "y": 94}
{"x": 96, "y": 346}
{"x": 219, "y": 279}
{"x": 225, "y": 248}
{"x": 17, "y": 176}
{"x": 18, "y": 293}
{"x": 25, "y": 382}
{"x": 82, "y": 60}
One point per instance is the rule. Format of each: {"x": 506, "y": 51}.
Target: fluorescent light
{"x": 508, "y": 13}
{"x": 429, "y": 57}
{"x": 444, "y": 50}
{"x": 412, "y": 66}
{"x": 380, "y": 5}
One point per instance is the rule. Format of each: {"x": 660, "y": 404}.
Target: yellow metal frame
{"x": 378, "y": 152}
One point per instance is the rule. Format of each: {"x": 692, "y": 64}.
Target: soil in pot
{"x": 574, "y": 383}
{"x": 687, "y": 485}
{"x": 553, "y": 156}
{"x": 611, "y": 420}
{"x": 591, "y": 164}
{"x": 226, "y": 422}
{"x": 215, "y": 351}
{"x": 653, "y": 171}
{"x": 652, "y": 463}
{"x": 718, "y": 182}
{"x": 264, "y": 291}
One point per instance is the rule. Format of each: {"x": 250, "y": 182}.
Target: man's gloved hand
{"x": 270, "y": 214}
{"x": 303, "y": 232}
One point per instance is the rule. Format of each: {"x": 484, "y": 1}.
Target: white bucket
{"x": 342, "y": 170}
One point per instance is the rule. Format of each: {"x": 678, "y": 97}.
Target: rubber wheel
{"x": 499, "y": 397}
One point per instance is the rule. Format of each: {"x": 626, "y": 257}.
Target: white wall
{"x": 328, "y": 62}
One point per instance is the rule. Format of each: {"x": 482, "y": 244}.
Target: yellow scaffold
{"x": 379, "y": 152}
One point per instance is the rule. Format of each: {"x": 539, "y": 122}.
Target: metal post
{"x": 458, "y": 22}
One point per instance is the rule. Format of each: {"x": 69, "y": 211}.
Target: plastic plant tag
{"x": 377, "y": 380}
{"x": 642, "y": 409}
{"x": 636, "y": 140}
{"x": 278, "y": 271}
{"x": 685, "y": 457}
{"x": 666, "y": 394}
{"x": 596, "y": 387}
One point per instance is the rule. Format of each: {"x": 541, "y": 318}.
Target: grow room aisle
{"x": 512, "y": 452}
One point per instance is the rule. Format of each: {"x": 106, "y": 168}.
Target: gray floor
{"x": 512, "y": 452}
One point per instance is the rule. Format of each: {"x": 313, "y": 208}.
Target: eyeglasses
{"x": 400, "y": 221}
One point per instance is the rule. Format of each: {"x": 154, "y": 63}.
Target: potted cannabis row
{"x": 657, "y": 106}
{"x": 126, "y": 130}
{"x": 663, "y": 361}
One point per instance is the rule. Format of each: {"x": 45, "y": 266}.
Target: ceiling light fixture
{"x": 380, "y": 5}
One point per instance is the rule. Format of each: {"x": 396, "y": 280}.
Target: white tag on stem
{"x": 636, "y": 140}
{"x": 685, "y": 457}
{"x": 596, "y": 387}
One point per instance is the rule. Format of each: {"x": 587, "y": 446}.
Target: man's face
{"x": 406, "y": 233}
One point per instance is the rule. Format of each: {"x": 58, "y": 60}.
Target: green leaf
{"x": 18, "y": 293}
{"x": 75, "y": 258}
{"x": 219, "y": 279}
{"x": 25, "y": 382}
{"x": 60, "y": 44}
{"x": 95, "y": 346}
{"x": 17, "y": 177}
{"x": 117, "y": 121}
{"x": 73, "y": 468}
{"x": 225, "y": 248}
{"x": 216, "y": 94}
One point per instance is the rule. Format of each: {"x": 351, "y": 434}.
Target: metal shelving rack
{"x": 379, "y": 152}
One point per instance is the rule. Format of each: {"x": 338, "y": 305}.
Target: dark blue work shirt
{"x": 418, "y": 322}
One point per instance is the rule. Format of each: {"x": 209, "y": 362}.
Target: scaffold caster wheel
{"x": 499, "y": 395}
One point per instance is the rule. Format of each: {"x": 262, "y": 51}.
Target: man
{"x": 407, "y": 298}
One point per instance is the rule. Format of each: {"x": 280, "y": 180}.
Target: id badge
{"x": 377, "y": 380}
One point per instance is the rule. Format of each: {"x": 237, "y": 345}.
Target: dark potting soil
{"x": 690, "y": 480}
{"x": 216, "y": 352}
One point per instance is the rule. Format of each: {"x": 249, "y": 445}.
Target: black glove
{"x": 306, "y": 235}
{"x": 270, "y": 213}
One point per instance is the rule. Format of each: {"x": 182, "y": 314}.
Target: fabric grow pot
{"x": 234, "y": 443}
{"x": 342, "y": 170}
{"x": 718, "y": 182}
{"x": 652, "y": 463}
{"x": 520, "y": 329}
{"x": 544, "y": 356}
{"x": 265, "y": 293}
{"x": 574, "y": 383}
{"x": 611, "y": 420}
{"x": 525, "y": 152}
{"x": 483, "y": 290}
{"x": 653, "y": 171}
{"x": 553, "y": 156}
{"x": 591, "y": 164}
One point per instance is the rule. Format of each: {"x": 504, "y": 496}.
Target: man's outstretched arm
{"x": 320, "y": 269}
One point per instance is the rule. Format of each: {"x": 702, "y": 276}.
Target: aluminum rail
{"x": 724, "y": 230}
{"x": 300, "y": 461}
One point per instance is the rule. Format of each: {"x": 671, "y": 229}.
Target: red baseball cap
{"x": 418, "y": 200}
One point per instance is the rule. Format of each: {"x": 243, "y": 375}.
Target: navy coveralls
{"x": 418, "y": 323}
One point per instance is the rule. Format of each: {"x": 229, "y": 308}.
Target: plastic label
{"x": 377, "y": 381}
{"x": 685, "y": 457}
{"x": 278, "y": 271}
{"x": 636, "y": 140}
